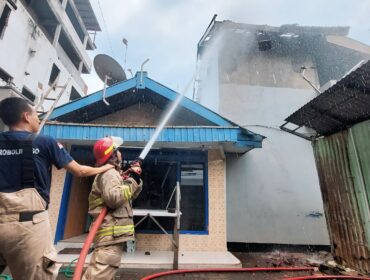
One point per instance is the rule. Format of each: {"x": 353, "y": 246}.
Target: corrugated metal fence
{"x": 343, "y": 163}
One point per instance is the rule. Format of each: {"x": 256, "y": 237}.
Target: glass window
{"x": 161, "y": 171}
{"x": 192, "y": 197}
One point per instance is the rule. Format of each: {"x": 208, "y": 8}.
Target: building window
{"x": 74, "y": 20}
{"x": 54, "y": 74}
{"x": 161, "y": 171}
{"x": 28, "y": 94}
{"x": 4, "y": 20}
{"x": 5, "y": 76}
{"x": 193, "y": 196}
{"x": 74, "y": 94}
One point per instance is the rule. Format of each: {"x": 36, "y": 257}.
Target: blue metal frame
{"x": 206, "y": 212}
{"x": 206, "y": 196}
{"x": 59, "y": 233}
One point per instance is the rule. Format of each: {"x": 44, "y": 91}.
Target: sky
{"x": 167, "y": 31}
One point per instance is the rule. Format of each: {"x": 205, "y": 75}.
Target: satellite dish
{"x": 108, "y": 70}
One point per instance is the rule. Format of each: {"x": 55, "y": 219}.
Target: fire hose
{"x": 226, "y": 270}
{"x": 254, "y": 269}
{"x": 85, "y": 249}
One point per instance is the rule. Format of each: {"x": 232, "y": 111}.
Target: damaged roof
{"x": 341, "y": 106}
{"x": 203, "y": 127}
{"x": 286, "y": 29}
{"x": 329, "y": 48}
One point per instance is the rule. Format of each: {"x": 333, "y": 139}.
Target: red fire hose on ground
{"x": 253, "y": 269}
{"x": 326, "y": 277}
{"x": 225, "y": 270}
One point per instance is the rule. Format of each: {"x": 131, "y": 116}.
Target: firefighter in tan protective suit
{"x": 115, "y": 191}
{"x": 25, "y": 179}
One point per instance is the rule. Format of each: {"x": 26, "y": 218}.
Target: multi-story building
{"x": 43, "y": 44}
{"x": 256, "y": 75}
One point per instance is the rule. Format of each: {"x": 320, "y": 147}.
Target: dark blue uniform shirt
{"x": 46, "y": 152}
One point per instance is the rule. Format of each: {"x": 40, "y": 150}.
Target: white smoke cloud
{"x": 167, "y": 31}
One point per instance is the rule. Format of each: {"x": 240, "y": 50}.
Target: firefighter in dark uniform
{"x": 25, "y": 179}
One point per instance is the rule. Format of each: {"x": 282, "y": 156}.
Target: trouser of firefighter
{"x": 104, "y": 262}
{"x": 26, "y": 247}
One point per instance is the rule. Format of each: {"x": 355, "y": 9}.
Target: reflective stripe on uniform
{"x": 108, "y": 231}
{"x": 127, "y": 192}
{"x": 96, "y": 202}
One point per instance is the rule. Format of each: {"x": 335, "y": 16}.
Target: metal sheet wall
{"x": 343, "y": 164}
{"x": 361, "y": 137}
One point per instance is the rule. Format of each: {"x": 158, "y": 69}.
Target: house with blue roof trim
{"x": 191, "y": 150}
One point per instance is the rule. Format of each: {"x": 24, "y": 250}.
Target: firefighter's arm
{"x": 136, "y": 187}
{"x": 114, "y": 192}
{"x": 85, "y": 171}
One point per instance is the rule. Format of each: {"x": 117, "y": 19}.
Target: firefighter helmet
{"x": 105, "y": 147}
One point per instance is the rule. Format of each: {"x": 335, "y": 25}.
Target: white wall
{"x": 271, "y": 192}
{"x": 276, "y": 188}
{"x": 16, "y": 59}
{"x": 208, "y": 92}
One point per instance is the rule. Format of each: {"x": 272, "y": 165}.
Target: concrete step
{"x": 164, "y": 259}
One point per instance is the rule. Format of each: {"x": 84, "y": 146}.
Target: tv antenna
{"x": 125, "y": 42}
{"x": 109, "y": 71}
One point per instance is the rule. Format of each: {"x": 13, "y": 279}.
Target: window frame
{"x": 182, "y": 156}
{"x": 27, "y": 94}
{"x": 52, "y": 75}
{"x": 7, "y": 9}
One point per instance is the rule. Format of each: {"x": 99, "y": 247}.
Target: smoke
{"x": 168, "y": 31}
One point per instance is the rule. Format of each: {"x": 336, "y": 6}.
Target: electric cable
{"x": 106, "y": 28}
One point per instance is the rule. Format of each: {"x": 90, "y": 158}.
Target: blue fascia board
{"x": 92, "y": 98}
{"x": 69, "y": 132}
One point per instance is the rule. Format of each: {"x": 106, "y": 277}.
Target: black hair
{"x": 12, "y": 108}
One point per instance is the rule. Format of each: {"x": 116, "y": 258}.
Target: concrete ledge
{"x": 189, "y": 260}
{"x": 164, "y": 260}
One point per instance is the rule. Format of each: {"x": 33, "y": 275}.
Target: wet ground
{"x": 130, "y": 275}
{"x": 272, "y": 259}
